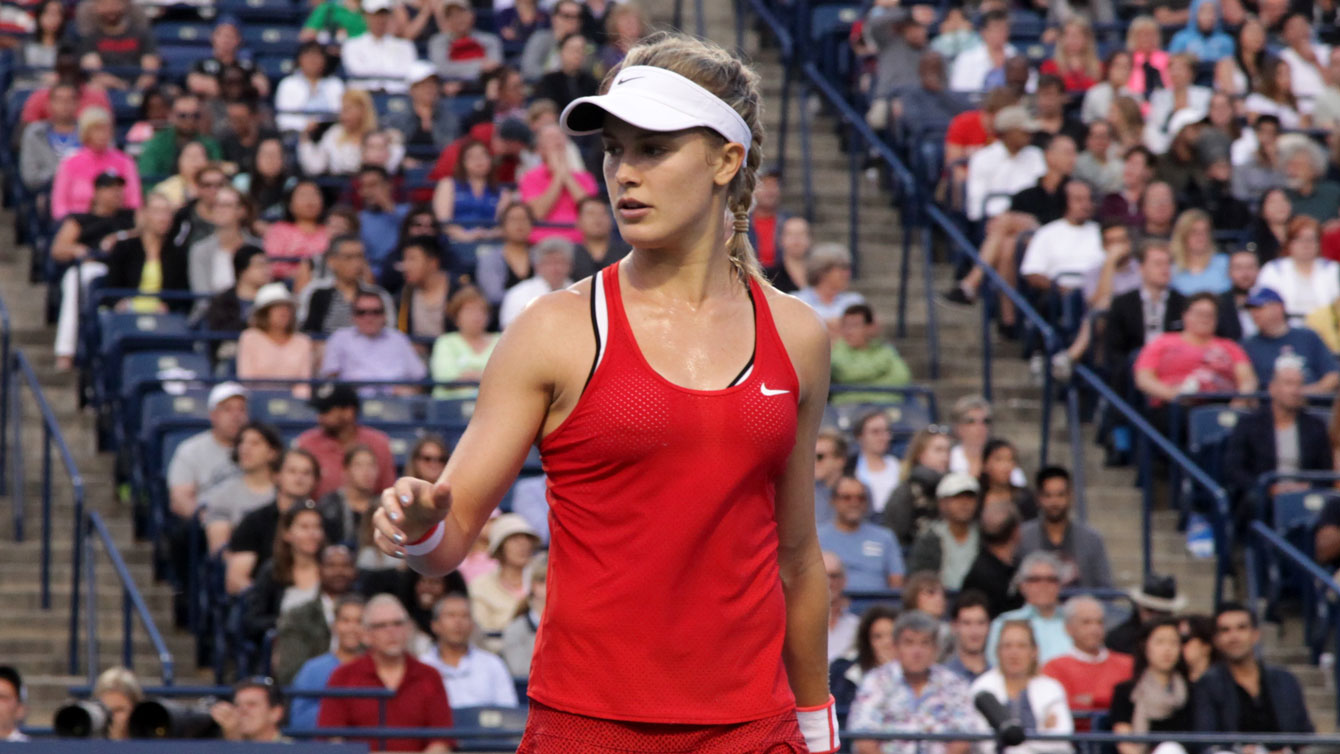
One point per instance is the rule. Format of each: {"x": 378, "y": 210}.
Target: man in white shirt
{"x": 378, "y": 60}
{"x": 1005, "y": 167}
{"x": 1066, "y": 251}
{"x": 473, "y": 677}
{"x": 12, "y": 708}
{"x": 552, "y": 259}
{"x": 983, "y": 67}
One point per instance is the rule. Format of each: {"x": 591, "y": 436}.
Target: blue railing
{"x": 132, "y": 604}
{"x": 5, "y": 330}
{"x": 51, "y": 439}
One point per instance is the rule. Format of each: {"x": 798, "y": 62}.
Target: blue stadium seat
{"x": 464, "y": 104}
{"x": 388, "y": 104}
{"x": 1291, "y": 510}
{"x": 450, "y": 410}
{"x": 192, "y": 33}
{"x": 277, "y": 406}
{"x": 395, "y": 409}
{"x": 275, "y": 67}
{"x": 1208, "y": 428}
{"x": 126, "y": 102}
{"x": 178, "y": 60}
{"x": 270, "y": 38}
{"x": 260, "y": 10}
{"x": 504, "y": 718}
{"x": 155, "y": 366}
{"x": 158, "y": 409}
{"x": 401, "y": 442}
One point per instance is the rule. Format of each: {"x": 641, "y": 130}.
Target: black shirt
{"x": 94, "y": 228}
{"x": 256, "y": 533}
{"x": 1122, "y": 710}
{"x": 780, "y": 278}
{"x": 992, "y": 577}
{"x": 584, "y": 265}
{"x": 1037, "y": 201}
{"x": 1256, "y": 715}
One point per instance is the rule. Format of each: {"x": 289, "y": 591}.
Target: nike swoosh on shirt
{"x": 764, "y": 389}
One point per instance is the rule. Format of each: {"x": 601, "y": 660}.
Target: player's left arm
{"x": 802, "y": 570}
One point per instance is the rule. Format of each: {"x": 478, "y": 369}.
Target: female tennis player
{"x": 676, "y": 398}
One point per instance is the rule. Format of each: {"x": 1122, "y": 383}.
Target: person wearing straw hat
{"x": 680, "y": 470}
{"x": 494, "y": 596}
{"x": 272, "y": 348}
{"x": 1156, "y": 598}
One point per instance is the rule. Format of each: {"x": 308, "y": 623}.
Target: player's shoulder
{"x": 557, "y": 311}
{"x": 797, "y": 322}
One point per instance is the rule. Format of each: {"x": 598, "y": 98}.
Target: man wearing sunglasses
{"x": 370, "y": 350}
{"x": 1039, "y": 581}
{"x": 159, "y": 158}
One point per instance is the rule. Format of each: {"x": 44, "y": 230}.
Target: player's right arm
{"x": 527, "y": 387}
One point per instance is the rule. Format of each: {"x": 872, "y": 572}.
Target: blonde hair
{"x": 1181, "y": 229}
{"x": 90, "y": 117}
{"x": 713, "y": 68}
{"x": 119, "y": 680}
{"x": 1088, "y": 57}
{"x": 360, "y": 97}
{"x": 1139, "y": 24}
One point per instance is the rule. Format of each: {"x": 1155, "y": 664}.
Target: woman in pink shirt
{"x": 272, "y": 348}
{"x": 300, "y": 234}
{"x": 1194, "y": 360}
{"x": 72, "y": 189}
{"x": 553, "y": 188}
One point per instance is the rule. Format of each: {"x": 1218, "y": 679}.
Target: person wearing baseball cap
{"x": 429, "y": 121}
{"x": 378, "y": 59}
{"x": 336, "y": 432}
{"x": 204, "y": 461}
{"x": 1275, "y": 338}
{"x": 949, "y": 545}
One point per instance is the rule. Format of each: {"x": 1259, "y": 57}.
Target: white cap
{"x": 272, "y": 293}
{"x": 657, "y": 100}
{"x": 956, "y": 483}
{"x": 1187, "y": 116}
{"x": 374, "y": 6}
{"x": 223, "y": 391}
{"x": 420, "y": 70}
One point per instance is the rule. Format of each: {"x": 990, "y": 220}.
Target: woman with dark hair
{"x": 876, "y": 466}
{"x": 155, "y": 115}
{"x": 467, "y": 203}
{"x": 1269, "y": 231}
{"x": 1251, "y": 54}
{"x": 1304, "y": 279}
{"x": 268, "y": 183}
{"x": 500, "y": 267}
{"x": 997, "y": 480}
{"x": 1198, "y": 651}
{"x": 257, "y": 456}
{"x": 39, "y": 51}
{"x": 874, "y": 647}
{"x": 301, "y": 235}
{"x": 1274, "y": 96}
{"x": 923, "y": 591}
{"x": 293, "y": 576}
{"x": 346, "y": 509}
{"x": 427, "y": 458}
{"x": 418, "y": 223}
{"x": 1157, "y": 697}
{"x": 1098, "y": 99}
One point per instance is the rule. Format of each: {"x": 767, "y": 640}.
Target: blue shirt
{"x": 313, "y": 675}
{"x": 1318, "y": 361}
{"x": 1049, "y": 633}
{"x": 1214, "y": 278}
{"x": 380, "y": 232}
{"x": 869, "y": 554}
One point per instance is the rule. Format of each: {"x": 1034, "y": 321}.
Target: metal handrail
{"x": 131, "y": 600}
{"x": 1220, "y": 515}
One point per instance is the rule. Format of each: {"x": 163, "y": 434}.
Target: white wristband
{"x": 430, "y": 544}
{"x": 819, "y": 726}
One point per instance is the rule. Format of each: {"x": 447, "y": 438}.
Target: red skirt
{"x": 552, "y": 731}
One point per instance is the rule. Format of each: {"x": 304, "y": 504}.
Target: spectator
{"x": 379, "y": 220}
{"x": 897, "y": 35}
{"x": 573, "y": 79}
{"x": 340, "y": 151}
{"x": 518, "y": 639}
{"x": 429, "y": 122}
{"x": 1203, "y": 38}
{"x": 1075, "y": 59}
{"x": 1240, "y": 693}
{"x": 328, "y": 304}
{"x": 1198, "y": 265}
{"x": 427, "y": 458}
{"x": 145, "y": 262}
{"x": 348, "y": 508}
{"x": 46, "y": 143}
{"x": 1197, "y": 644}
{"x": 113, "y": 40}
{"x": 1137, "y": 172}
{"x": 915, "y": 503}
{"x": 159, "y": 155}
{"x": 969, "y": 132}
{"x": 517, "y": 23}
{"x": 1048, "y": 110}
{"x": 469, "y": 202}
{"x": 971, "y": 621}
{"x": 1140, "y": 316}
{"x": 842, "y": 622}
{"x": 876, "y": 468}
{"x": 423, "y": 300}
{"x": 949, "y": 545}
{"x": 873, "y": 560}
{"x": 1274, "y": 96}
{"x": 1275, "y": 339}
{"x": 1156, "y": 698}
{"x": 1154, "y": 600}
{"x": 377, "y": 60}
{"x": 461, "y": 52}
{"x": 972, "y": 419}
{"x": 1008, "y": 165}
{"x": 333, "y": 23}
{"x": 38, "y": 52}
{"x": 496, "y": 595}
{"x": 1326, "y": 108}
{"x": 254, "y": 714}
{"x": 1175, "y": 109}
{"x": 226, "y": 312}
{"x": 860, "y": 358}
{"x": 1078, "y": 547}
{"x": 118, "y": 691}
{"x": 253, "y": 542}
{"x": 182, "y": 186}
{"x": 13, "y": 704}
{"x": 420, "y": 699}
{"x": 913, "y": 694}
{"x": 242, "y": 132}
{"x": 292, "y": 577}
{"x": 828, "y": 283}
{"x": 1192, "y": 361}
{"x": 1036, "y": 696}
{"x": 1304, "y": 58}
{"x": 472, "y": 677}
{"x": 204, "y": 461}
{"x": 553, "y": 188}
{"x": 1235, "y": 321}
{"x": 194, "y": 220}
{"x": 300, "y": 235}
{"x": 308, "y": 95}
{"x": 67, "y": 71}
{"x": 956, "y": 34}
{"x": 794, "y": 241}
{"x": 461, "y": 355}
{"x": 874, "y": 649}
{"x": 309, "y": 630}
{"x": 1149, "y": 64}
{"x": 210, "y": 259}
{"x": 1065, "y": 251}
{"x": 336, "y": 432}
{"x": 270, "y": 348}
{"x": 1304, "y": 164}
{"x": 1039, "y": 581}
{"x": 1099, "y": 97}
{"x": 73, "y": 186}
{"x": 552, "y": 261}
{"x": 501, "y": 267}
{"x": 625, "y": 24}
{"x": 1100, "y": 163}
{"x": 1304, "y": 280}
{"x": 600, "y": 247}
{"x": 766, "y": 218}
{"x": 257, "y": 457}
{"x": 225, "y": 44}
{"x": 982, "y": 68}
{"x": 830, "y": 458}
{"x": 1256, "y": 164}
{"x": 267, "y": 181}
{"x": 1089, "y": 671}
{"x": 1000, "y": 466}
{"x": 540, "y": 55}
{"x": 1281, "y": 437}
{"x": 929, "y": 103}
{"x": 993, "y": 572}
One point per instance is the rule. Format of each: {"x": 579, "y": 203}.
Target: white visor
{"x": 656, "y": 99}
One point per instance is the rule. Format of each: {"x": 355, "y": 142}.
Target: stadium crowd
{"x": 379, "y": 200}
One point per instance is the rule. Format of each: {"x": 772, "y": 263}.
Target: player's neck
{"x": 690, "y": 274}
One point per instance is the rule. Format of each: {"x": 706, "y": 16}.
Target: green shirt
{"x": 158, "y": 160}
{"x": 875, "y": 364}
{"x": 335, "y": 16}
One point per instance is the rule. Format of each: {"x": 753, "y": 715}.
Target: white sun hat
{"x": 656, "y": 99}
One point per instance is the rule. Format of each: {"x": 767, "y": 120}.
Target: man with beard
{"x": 1242, "y": 694}
{"x": 1079, "y": 547}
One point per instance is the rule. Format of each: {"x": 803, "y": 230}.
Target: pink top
{"x": 259, "y": 357}
{"x": 1159, "y": 60}
{"x": 35, "y": 107}
{"x": 286, "y": 239}
{"x": 1175, "y": 359}
{"x": 534, "y": 182}
{"x": 72, "y": 190}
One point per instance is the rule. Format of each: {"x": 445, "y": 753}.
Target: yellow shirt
{"x": 151, "y": 281}
{"x": 1325, "y": 322}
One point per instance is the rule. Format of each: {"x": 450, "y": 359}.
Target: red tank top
{"x": 664, "y": 599}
